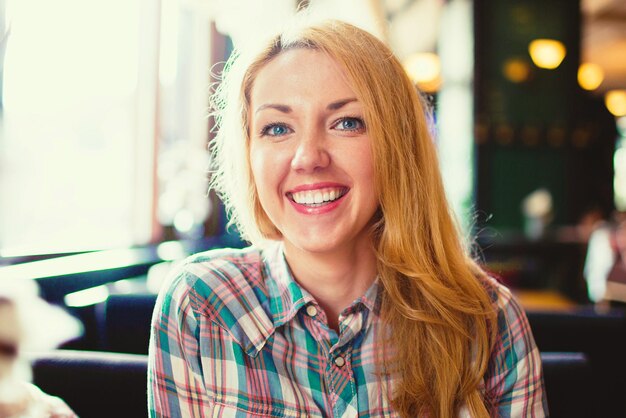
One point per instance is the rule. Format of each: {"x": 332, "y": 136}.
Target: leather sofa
{"x": 100, "y": 384}
{"x": 94, "y": 384}
{"x": 601, "y": 336}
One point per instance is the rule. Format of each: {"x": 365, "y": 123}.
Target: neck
{"x": 334, "y": 279}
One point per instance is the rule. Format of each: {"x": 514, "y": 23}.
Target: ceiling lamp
{"x": 547, "y": 53}
{"x": 424, "y": 69}
{"x": 590, "y": 76}
{"x": 516, "y": 70}
{"x": 615, "y": 101}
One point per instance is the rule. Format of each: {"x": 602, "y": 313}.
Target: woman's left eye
{"x": 350, "y": 124}
{"x": 275, "y": 129}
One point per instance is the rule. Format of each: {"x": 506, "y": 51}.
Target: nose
{"x": 311, "y": 154}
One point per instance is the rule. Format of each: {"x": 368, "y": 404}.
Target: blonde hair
{"x": 434, "y": 299}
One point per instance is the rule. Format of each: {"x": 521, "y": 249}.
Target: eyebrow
{"x": 287, "y": 109}
{"x": 340, "y": 103}
{"x": 279, "y": 107}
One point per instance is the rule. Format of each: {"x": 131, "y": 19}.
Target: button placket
{"x": 340, "y": 361}
{"x": 340, "y": 380}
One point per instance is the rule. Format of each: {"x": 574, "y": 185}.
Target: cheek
{"x": 363, "y": 164}
{"x": 364, "y": 169}
{"x": 256, "y": 165}
{"x": 265, "y": 171}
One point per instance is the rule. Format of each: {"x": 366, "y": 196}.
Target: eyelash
{"x": 359, "y": 120}
{"x": 265, "y": 130}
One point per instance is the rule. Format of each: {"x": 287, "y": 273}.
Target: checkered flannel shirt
{"x": 233, "y": 335}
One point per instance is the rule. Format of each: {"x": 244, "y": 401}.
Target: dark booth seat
{"x": 123, "y": 323}
{"x": 99, "y": 384}
{"x": 95, "y": 384}
{"x": 568, "y": 382}
{"x": 601, "y": 336}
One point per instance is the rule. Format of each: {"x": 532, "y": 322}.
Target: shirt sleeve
{"x": 175, "y": 378}
{"x": 514, "y": 381}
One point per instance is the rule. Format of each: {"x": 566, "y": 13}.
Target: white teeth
{"x": 317, "y": 197}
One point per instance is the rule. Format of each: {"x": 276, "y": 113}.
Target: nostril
{"x": 309, "y": 157}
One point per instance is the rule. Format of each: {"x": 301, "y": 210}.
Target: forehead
{"x": 300, "y": 73}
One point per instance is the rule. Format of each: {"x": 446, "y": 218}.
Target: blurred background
{"x": 104, "y": 123}
{"x": 104, "y": 132}
{"x": 104, "y": 127}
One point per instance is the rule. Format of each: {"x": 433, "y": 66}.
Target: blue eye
{"x": 350, "y": 124}
{"x": 275, "y": 129}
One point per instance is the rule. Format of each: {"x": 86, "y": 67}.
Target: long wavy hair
{"x": 435, "y": 301}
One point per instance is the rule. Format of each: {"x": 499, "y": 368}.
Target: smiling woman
{"x": 322, "y": 150}
{"x": 323, "y": 146}
{"x": 356, "y": 298}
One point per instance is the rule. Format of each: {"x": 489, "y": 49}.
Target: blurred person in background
{"x": 357, "y": 297}
{"x": 616, "y": 278}
{"x": 28, "y": 323}
{"x": 605, "y": 263}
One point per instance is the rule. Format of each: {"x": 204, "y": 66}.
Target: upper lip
{"x": 316, "y": 186}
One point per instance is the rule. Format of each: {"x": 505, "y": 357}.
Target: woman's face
{"x": 310, "y": 153}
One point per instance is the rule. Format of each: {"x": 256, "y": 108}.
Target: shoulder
{"x": 512, "y": 327}
{"x": 503, "y": 300}
{"x": 514, "y": 379}
{"x": 225, "y": 288}
{"x": 219, "y": 271}
{"x": 223, "y": 261}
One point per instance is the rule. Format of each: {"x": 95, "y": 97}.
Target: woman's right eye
{"x": 275, "y": 129}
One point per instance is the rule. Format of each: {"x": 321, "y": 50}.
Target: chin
{"x": 304, "y": 239}
{"x": 313, "y": 247}
{"x": 316, "y": 245}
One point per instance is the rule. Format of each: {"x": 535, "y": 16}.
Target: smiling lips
{"x": 316, "y": 200}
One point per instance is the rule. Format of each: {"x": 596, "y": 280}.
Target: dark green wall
{"x": 545, "y": 132}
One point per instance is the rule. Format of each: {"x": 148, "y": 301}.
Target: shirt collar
{"x": 260, "y": 307}
{"x": 287, "y": 297}
{"x": 371, "y": 299}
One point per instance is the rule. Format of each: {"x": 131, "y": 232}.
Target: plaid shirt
{"x": 234, "y": 335}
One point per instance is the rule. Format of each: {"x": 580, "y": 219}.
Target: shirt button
{"x": 311, "y": 310}
{"x": 340, "y": 361}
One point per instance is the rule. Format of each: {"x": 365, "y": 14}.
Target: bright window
{"x": 77, "y": 138}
